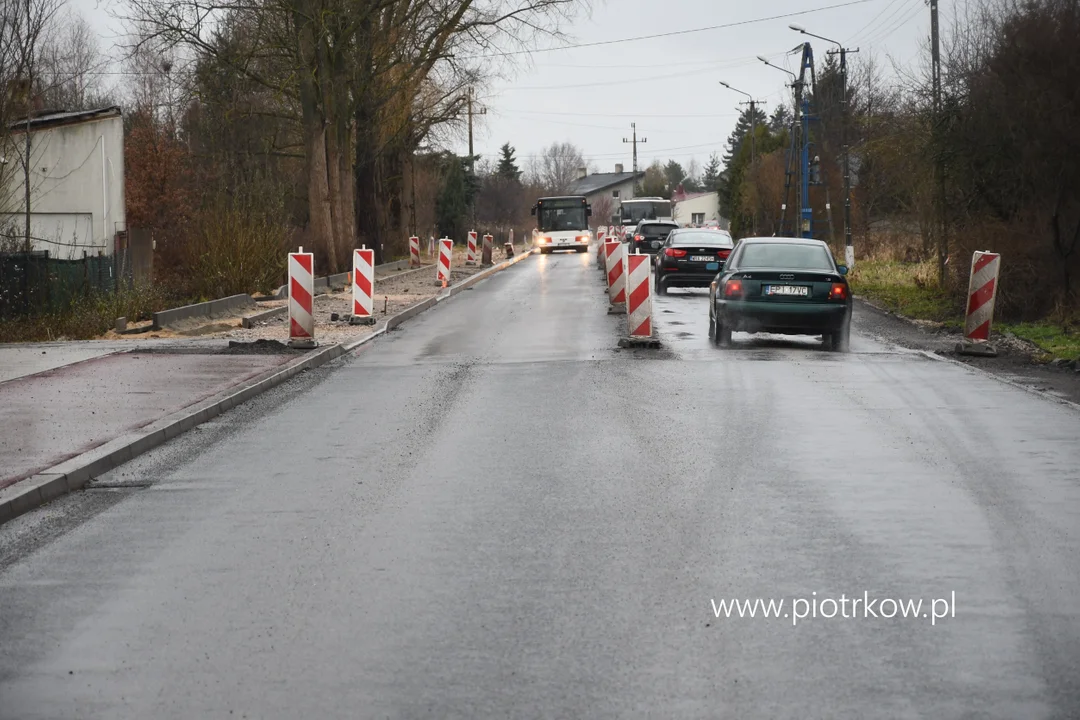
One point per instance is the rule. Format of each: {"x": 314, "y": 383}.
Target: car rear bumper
{"x": 682, "y": 278}
{"x": 644, "y": 248}
{"x": 783, "y": 318}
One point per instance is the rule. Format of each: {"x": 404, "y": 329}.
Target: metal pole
{"x": 849, "y": 247}
{"x": 807, "y": 211}
{"x": 935, "y": 64}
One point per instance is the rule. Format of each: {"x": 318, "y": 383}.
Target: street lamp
{"x": 765, "y": 60}
{"x": 849, "y": 249}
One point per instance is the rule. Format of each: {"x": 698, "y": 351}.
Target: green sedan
{"x": 787, "y": 286}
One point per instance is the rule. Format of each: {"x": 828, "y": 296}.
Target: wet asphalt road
{"x": 493, "y": 512}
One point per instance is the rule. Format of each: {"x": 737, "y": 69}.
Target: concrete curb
{"x": 75, "y": 473}
{"x": 208, "y": 309}
{"x": 250, "y": 320}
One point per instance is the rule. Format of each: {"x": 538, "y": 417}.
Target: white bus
{"x": 635, "y": 210}
{"x": 562, "y": 223}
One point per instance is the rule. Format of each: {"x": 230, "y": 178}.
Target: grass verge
{"x": 911, "y": 290}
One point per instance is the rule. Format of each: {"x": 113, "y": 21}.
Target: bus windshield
{"x": 635, "y": 212}
{"x": 553, "y": 219}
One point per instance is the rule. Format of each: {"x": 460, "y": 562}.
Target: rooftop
{"x": 56, "y": 118}
{"x": 595, "y": 183}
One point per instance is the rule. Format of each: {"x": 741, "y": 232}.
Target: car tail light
{"x": 724, "y": 254}
{"x": 839, "y": 291}
{"x": 733, "y": 288}
{"x": 639, "y": 238}
{"x": 675, "y": 252}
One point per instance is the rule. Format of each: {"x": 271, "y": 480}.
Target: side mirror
{"x": 533, "y": 211}
{"x": 842, "y": 268}
{"x": 588, "y": 211}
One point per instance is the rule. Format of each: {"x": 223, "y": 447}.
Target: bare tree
{"x": 69, "y": 65}
{"x": 556, "y": 167}
{"x": 23, "y": 28}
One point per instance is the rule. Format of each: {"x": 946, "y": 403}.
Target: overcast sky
{"x": 668, "y": 85}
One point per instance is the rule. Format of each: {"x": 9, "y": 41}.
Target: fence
{"x": 34, "y": 283}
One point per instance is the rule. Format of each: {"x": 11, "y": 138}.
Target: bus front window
{"x": 557, "y": 219}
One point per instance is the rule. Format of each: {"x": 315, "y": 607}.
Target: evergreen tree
{"x": 711, "y": 175}
{"x": 673, "y": 175}
{"x": 728, "y": 183}
{"x": 508, "y": 164}
{"x": 780, "y": 119}
{"x": 454, "y": 197}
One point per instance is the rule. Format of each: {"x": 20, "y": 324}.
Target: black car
{"x": 788, "y": 286}
{"x": 650, "y": 235}
{"x": 691, "y": 257}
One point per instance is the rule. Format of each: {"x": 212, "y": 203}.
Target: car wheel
{"x": 712, "y": 328}
{"x": 840, "y": 341}
{"x": 584, "y": 249}
{"x": 723, "y": 336}
{"x": 661, "y": 287}
{"x": 545, "y": 251}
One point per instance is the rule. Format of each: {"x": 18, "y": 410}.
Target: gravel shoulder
{"x": 1016, "y": 361}
{"x": 392, "y": 294}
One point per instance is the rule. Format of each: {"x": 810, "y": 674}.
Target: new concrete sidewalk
{"x": 76, "y": 409}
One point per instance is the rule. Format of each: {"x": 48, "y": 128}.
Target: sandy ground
{"x": 393, "y": 294}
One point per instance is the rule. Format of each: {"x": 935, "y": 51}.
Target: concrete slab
{"x": 21, "y": 360}
{"x": 63, "y": 412}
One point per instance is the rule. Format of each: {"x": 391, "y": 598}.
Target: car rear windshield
{"x": 711, "y": 238}
{"x": 654, "y": 229}
{"x": 786, "y": 257}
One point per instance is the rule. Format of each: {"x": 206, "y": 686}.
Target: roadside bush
{"x": 234, "y": 249}
{"x": 91, "y": 315}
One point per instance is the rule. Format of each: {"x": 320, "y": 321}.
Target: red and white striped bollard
{"x": 639, "y": 295}
{"x": 442, "y": 268}
{"x": 982, "y": 292}
{"x": 363, "y": 277}
{"x": 414, "y": 251}
{"x": 616, "y": 276}
{"x": 470, "y": 252}
{"x": 302, "y": 299}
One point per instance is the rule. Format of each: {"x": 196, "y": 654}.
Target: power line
{"x": 673, "y": 33}
{"x": 858, "y": 33}
{"x": 613, "y": 115}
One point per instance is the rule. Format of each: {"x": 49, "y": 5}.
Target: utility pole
{"x": 635, "y": 141}
{"x": 935, "y": 66}
{"x": 472, "y": 157}
{"x": 29, "y": 64}
{"x": 849, "y": 247}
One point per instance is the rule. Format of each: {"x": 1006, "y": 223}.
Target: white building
{"x": 76, "y": 182}
{"x": 697, "y": 208}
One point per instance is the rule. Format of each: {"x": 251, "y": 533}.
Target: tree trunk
{"x": 315, "y": 147}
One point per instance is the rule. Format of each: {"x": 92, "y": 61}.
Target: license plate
{"x": 702, "y": 258}
{"x": 787, "y": 290}
{"x": 712, "y": 266}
